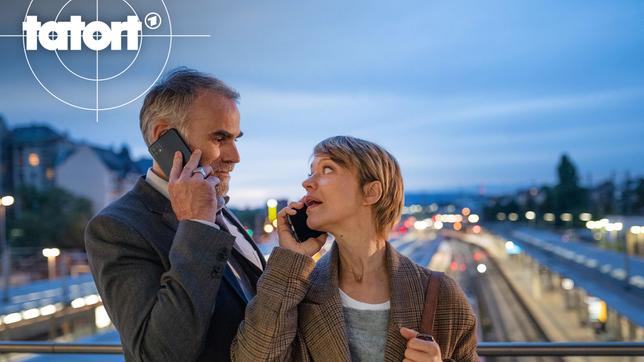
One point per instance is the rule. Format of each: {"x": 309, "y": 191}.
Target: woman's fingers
{"x": 423, "y": 346}
{"x": 286, "y": 238}
{"x": 415, "y": 355}
{"x": 287, "y": 211}
{"x": 408, "y": 333}
{"x": 419, "y": 349}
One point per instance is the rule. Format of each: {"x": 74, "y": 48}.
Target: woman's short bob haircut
{"x": 371, "y": 163}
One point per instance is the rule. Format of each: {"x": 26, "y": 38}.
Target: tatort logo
{"x": 97, "y": 55}
{"x": 67, "y": 35}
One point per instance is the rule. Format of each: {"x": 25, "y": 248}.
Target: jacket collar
{"x": 156, "y": 202}
{"x": 407, "y": 294}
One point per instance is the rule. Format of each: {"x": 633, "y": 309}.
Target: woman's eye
{"x": 327, "y": 169}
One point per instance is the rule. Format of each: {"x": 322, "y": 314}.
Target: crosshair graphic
{"x": 97, "y": 77}
{"x": 149, "y": 26}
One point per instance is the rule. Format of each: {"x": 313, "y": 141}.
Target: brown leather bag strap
{"x": 431, "y": 301}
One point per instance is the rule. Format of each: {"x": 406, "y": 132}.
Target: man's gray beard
{"x": 222, "y": 189}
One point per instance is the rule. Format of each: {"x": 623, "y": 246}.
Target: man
{"x": 173, "y": 265}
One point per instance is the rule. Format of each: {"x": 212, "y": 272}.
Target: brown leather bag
{"x": 431, "y": 301}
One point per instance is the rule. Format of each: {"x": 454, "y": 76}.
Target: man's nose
{"x": 230, "y": 154}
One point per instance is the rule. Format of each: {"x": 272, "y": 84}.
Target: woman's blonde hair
{"x": 372, "y": 163}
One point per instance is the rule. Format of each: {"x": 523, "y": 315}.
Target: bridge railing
{"x": 485, "y": 349}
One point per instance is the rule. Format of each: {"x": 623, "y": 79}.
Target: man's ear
{"x": 372, "y": 192}
{"x": 159, "y": 128}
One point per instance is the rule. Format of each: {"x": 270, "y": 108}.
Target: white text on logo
{"x": 67, "y": 35}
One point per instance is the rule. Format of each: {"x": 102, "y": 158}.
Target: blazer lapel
{"x": 159, "y": 204}
{"x": 243, "y": 231}
{"x": 321, "y": 313}
{"x": 406, "y": 299}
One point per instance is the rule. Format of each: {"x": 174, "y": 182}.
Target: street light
{"x": 530, "y": 215}
{"x": 51, "y": 254}
{"x": 5, "y": 202}
{"x": 272, "y": 209}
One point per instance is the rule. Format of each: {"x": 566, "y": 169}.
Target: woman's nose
{"x": 308, "y": 183}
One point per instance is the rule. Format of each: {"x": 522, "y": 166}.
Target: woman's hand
{"x": 420, "y": 350}
{"x": 286, "y": 239}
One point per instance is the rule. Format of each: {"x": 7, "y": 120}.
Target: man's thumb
{"x": 408, "y": 333}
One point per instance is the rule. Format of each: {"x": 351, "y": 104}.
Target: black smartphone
{"x": 163, "y": 149}
{"x": 301, "y": 231}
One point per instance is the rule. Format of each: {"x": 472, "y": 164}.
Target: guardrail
{"x": 487, "y": 349}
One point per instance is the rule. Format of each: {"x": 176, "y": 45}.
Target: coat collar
{"x": 156, "y": 202}
{"x": 407, "y": 294}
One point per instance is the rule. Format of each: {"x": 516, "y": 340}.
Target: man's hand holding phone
{"x": 192, "y": 195}
{"x": 286, "y": 239}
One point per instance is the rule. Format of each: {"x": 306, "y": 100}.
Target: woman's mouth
{"x": 312, "y": 203}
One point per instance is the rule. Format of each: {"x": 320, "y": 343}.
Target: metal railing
{"x": 487, "y": 349}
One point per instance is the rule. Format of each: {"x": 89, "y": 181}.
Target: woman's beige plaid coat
{"x": 297, "y": 312}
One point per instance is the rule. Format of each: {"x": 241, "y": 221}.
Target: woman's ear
{"x": 372, "y": 192}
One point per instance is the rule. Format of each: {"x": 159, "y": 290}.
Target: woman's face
{"x": 333, "y": 195}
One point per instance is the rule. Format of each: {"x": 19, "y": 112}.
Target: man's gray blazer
{"x": 166, "y": 284}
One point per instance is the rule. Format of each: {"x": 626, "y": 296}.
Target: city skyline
{"x": 462, "y": 94}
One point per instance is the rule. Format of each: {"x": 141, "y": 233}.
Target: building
{"x": 34, "y": 152}
{"x": 40, "y": 157}
{"x": 99, "y": 174}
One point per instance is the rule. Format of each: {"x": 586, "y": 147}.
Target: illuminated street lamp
{"x": 530, "y": 215}
{"x": 51, "y": 254}
{"x": 268, "y": 228}
{"x": 272, "y": 209}
{"x": 5, "y": 202}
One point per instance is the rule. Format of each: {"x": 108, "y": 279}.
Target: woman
{"x": 363, "y": 300}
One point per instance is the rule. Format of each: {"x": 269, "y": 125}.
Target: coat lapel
{"x": 321, "y": 314}
{"x": 238, "y": 224}
{"x": 159, "y": 204}
{"x": 322, "y": 317}
{"x": 406, "y": 284}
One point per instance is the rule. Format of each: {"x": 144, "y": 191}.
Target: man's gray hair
{"x": 171, "y": 98}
